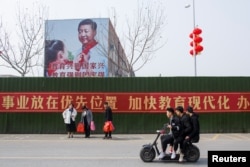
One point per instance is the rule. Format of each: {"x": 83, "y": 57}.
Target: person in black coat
{"x": 194, "y": 135}
{"x": 186, "y": 128}
{"x": 108, "y": 116}
{"x": 174, "y": 130}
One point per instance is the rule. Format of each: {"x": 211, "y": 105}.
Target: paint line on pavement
{"x": 215, "y": 137}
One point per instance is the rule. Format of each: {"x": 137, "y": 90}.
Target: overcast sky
{"x": 225, "y": 25}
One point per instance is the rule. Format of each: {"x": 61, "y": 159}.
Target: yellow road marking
{"x": 215, "y": 137}
{"x": 240, "y": 136}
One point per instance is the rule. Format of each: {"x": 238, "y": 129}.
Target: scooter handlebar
{"x": 160, "y": 131}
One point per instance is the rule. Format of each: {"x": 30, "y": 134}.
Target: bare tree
{"x": 144, "y": 36}
{"x": 23, "y": 52}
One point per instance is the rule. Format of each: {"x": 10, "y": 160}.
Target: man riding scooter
{"x": 194, "y": 135}
{"x": 175, "y": 137}
{"x": 174, "y": 127}
{"x": 186, "y": 129}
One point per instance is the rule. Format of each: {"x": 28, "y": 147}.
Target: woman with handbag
{"x": 87, "y": 119}
{"x": 69, "y": 116}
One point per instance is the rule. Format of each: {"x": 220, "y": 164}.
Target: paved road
{"x": 122, "y": 151}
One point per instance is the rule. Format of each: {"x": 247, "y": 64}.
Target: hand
{"x": 169, "y": 126}
{"x": 78, "y": 58}
{"x": 162, "y": 131}
{"x": 166, "y": 125}
{"x": 85, "y": 57}
{"x": 187, "y": 137}
{"x": 77, "y": 62}
{"x": 82, "y": 58}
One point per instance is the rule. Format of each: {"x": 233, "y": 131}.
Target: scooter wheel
{"x": 192, "y": 153}
{"x": 147, "y": 154}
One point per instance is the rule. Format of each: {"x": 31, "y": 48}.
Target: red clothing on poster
{"x": 86, "y": 49}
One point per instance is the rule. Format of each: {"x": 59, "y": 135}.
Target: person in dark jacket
{"x": 86, "y": 119}
{"x": 108, "y": 117}
{"x": 194, "y": 135}
{"x": 174, "y": 129}
{"x": 186, "y": 128}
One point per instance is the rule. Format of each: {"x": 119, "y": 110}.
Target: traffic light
{"x": 195, "y": 43}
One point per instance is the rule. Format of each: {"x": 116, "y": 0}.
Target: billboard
{"x": 76, "y": 48}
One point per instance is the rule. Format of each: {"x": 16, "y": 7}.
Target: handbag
{"x": 111, "y": 126}
{"x": 80, "y": 127}
{"x": 106, "y": 127}
{"x": 92, "y": 125}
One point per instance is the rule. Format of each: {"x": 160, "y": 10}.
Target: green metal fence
{"x": 124, "y": 122}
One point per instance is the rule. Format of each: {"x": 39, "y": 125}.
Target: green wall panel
{"x": 136, "y": 84}
{"x": 124, "y": 123}
{"x": 50, "y": 123}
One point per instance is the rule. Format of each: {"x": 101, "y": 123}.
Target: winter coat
{"x": 175, "y": 123}
{"x": 67, "y": 115}
{"x": 89, "y": 116}
{"x": 108, "y": 114}
{"x": 195, "y": 133}
{"x": 186, "y": 126}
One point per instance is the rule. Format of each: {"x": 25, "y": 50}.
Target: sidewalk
{"x": 205, "y": 137}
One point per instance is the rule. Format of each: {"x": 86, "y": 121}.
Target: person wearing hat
{"x": 194, "y": 135}
{"x": 186, "y": 128}
{"x": 86, "y": 119}
{"x": 174, "y": 130}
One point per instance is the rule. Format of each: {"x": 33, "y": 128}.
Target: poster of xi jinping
{"x": 76, "y": 48}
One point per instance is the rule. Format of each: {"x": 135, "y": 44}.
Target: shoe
{"x": 169, "y": 151}
{"x": 181, "y": 157}
{"x": 162, "y": 155}
{"x": 173, "y": 155}
{"x": 109, "y": 137}
{"x": 105, "y": 137}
